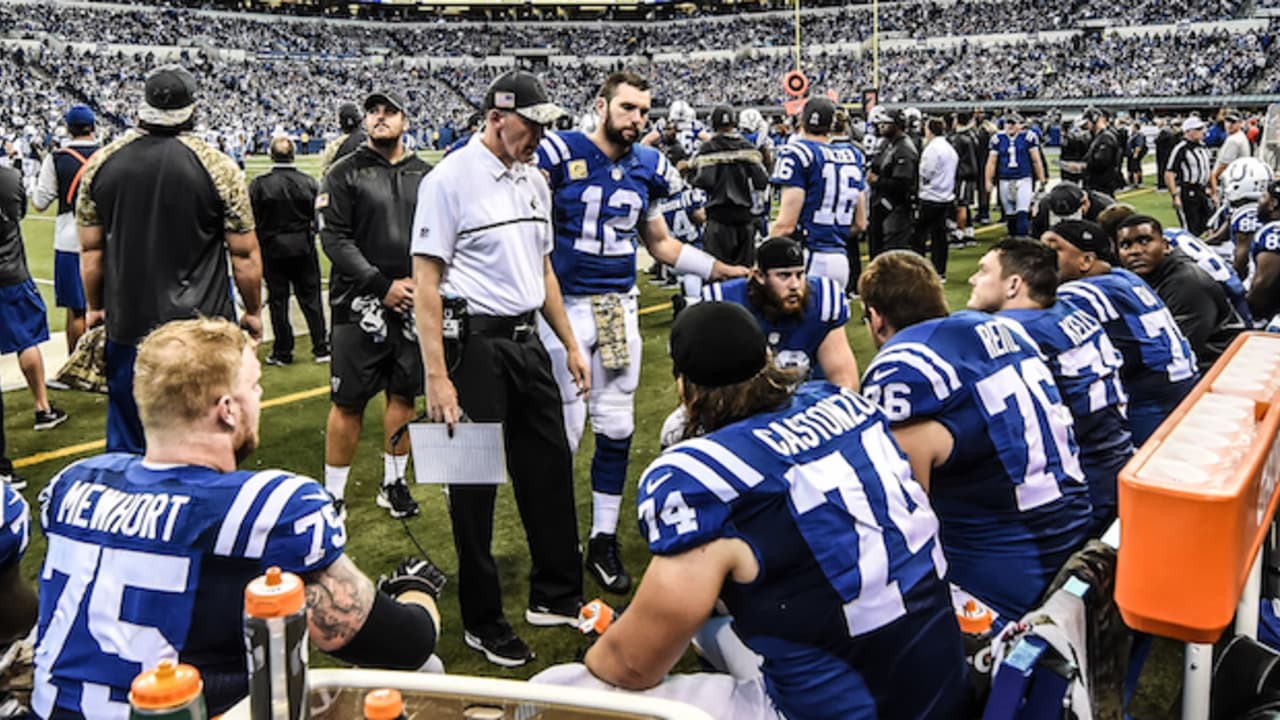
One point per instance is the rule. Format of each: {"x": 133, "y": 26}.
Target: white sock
{"x": 394, "y": 467}
{"x": 335, "y": 480}
{"x": 604, "y": 513}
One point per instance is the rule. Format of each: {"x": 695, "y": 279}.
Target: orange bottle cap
{"x": 383, "y": 704}
{"x": 169, "y": 685}
{"x": 275, "y": 594}
{"x": 974, "y": 619}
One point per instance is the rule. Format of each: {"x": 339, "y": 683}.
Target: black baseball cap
{"x": 169, "y": 96}
{"x": 349, "y": 116}
{"x": 1233, "y": 117}
{"x": 723, "y": 116}
{"x": 779, "y": 252}
{"x": 715, "y": 344}
{"x": 524, "y": 94}
{"x": 1086, "y": 235}
{"x": 819, "y": 114}
{"x": 1065, "y": 199}
{"x": 389, "y": 98}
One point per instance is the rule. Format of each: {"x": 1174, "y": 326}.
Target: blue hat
{"x": 79, "y": 115}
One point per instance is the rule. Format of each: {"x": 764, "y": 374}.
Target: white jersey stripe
{"x": 561, "y": 146}
{"x": 941, "y": 389}
{"x": 553, "y": 155}
{"x": 269, "y": 515}
{"x": 230, "y": 528}
{"x": 1103, "y": 309}
{"x": 734, "y": 464}
{"x": 699, "y": 471}
{"x": 952, "y": 378}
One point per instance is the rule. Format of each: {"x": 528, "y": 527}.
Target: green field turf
{"x": 295, "y": 407}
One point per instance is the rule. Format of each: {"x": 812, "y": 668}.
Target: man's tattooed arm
{"x": 339, "y": 599}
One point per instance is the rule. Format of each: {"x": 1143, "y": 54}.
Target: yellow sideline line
{"x": 291, "y": 398}
{"x": 96, "y": 445}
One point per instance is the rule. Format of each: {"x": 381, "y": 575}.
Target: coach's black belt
{"x": 519, "y": 327}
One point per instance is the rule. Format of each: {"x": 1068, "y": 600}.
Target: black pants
{"x": 932, "y": 228}
{"x": 854, "y": 250}
{"x": 302, "y": 272}
{"x": 890, "y": 229}
{"x": 984, "y": 201}
{"x": 732, "y": 243}
{"x": 509, "y": 381}
{"x": 1196, "y": 209}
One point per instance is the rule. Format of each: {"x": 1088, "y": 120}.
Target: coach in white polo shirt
{"x": 482, "y": 235}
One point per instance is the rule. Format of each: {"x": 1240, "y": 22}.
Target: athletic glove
{"x": 417, "y": 574}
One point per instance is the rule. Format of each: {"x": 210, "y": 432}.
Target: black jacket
{"x": 13, "y": 207}
{"x": 366, "y": 207}
{"x": 1199, "y": 305}
{"x": 284, "y": 202}
{"x": 965, "y": 142}
{"x": 896, "y": 166}
{"x": 1102, "y": 163}
{"x": 729, "y": 169}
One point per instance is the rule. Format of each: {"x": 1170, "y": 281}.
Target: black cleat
{"x": 604, "y": 562}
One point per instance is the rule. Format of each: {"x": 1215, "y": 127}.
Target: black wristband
{"x": 395, "y": 636}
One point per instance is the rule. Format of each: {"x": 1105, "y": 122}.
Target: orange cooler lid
{"x": 169, "y": 685}
{"x": 275, "y": 594}
{"x": 383, "y": 704}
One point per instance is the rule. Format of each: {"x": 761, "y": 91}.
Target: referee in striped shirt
{"x": 1187, "y": 175}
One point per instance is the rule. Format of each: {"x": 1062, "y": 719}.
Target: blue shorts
{"x": 22, "y": 317}
{"x": 68, "y": 288}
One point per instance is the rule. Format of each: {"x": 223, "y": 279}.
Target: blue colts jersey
{"x": 1244, "y": 219}
{"x": 1011, "y": 497}
{"x": 146, "y": 563}
{"x": 1086, "y": 367}
{"x": 15, "y": 526}
{"x": 678, "y": 211}
{"x": 850, "y": 584}
{"x": 760, "y": 198}
{"x": 1013, "y": 154}
{"x": 1159, "y": 364}
{"x": 599, "y": 205}
{"x": 1208, "y": 260}
{"x": 833, "y": 179}
{"x": 1266, "y": 239}
{"x": 794, "y": 339}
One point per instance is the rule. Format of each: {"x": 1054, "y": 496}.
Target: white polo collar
{"x": 496, "y": 167}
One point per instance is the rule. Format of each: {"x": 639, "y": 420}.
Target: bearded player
{"x": 605, "y": 188}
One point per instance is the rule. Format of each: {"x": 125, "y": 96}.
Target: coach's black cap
{"x": 1086, "y": 235}
{"x": 714, "y": 344}
{"x": 524, "y": 94}
{"x": 819, "y": 114}
{"x": 1233, "y": 117}
{"x": 1064, "y": 200}
{"x": 169, "y": 96}
{"x": 723, "y": 116}
{"x": 779, "y": 252}
{"x": 388, "y": 98}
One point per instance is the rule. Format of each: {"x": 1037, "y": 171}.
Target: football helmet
{"x": 682, "y": 112}
{"x": 1245, "y": 180}
{"x": 750, "y": 120}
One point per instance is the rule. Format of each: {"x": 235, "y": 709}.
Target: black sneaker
{"x": 604, "y": 562}
{"x": 323, "y": 357}
{"x": 279, "y": 361}
{"x": 396, "y": 498}
{"x": 49, "y": 419}
{"x": 507, "y": 650}
{"x": 14, "y": 480}
{"x": 339, "y": 507}
{"x": 543, "y": 616}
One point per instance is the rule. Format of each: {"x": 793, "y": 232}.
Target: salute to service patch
{"x": 322, "y": 201}
{"x": 577, "y": 169}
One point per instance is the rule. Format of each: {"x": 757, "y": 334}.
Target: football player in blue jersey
{"x": 685, "y": 214}
{"x": 803, "y": 318}
{"x": 1159, "y": 366}
{"x": 821, "y": 202}
{"x": 1243, "y": 183}
{"x": 1018, "y": 278}
{"x": 17, "y": 601}
{"x": 149, "y": 556}
{"x": 978, "y": 413}
{"x": 1264, "y": 292}
{"x": 797, "y": 510}
{"x": 1015, "y": 159}
{"x": 681, "y": 125}
{"x": 1202, "y": 254}
{"x": 756, "y": 131}
{"x": 605, "y": 188}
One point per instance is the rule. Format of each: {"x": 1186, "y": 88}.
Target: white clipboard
{"x": 475, "y": 455}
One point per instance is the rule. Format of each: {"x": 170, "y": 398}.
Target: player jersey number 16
{"x": 840, "y": 188}
{"x": 616, "y": 235}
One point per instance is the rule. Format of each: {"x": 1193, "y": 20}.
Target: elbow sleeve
{"x": 395, "y": 636}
